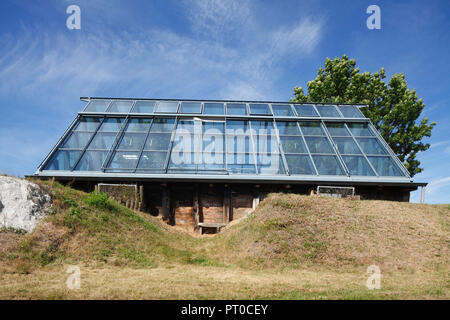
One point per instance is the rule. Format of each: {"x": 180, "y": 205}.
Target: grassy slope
{"x": 292, "y": 246}
{"x": 294, "y": 230}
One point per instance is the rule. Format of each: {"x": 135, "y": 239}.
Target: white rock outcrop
{"x": 22, "y": 203}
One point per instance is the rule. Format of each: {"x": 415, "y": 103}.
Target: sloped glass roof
{"x": 222, "y": 138}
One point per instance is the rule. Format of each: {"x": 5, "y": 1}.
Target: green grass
{"x": 86, "y": 227}
{"x": 291, "y": 247}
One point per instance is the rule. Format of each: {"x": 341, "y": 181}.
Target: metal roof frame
{"x": 87, "y": 99}
{"x": 226, "y": 176}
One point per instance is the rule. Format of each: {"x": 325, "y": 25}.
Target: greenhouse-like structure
{"x": 201, "y": 161}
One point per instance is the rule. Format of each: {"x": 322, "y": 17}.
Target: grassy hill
{"x": 290, "y": 247}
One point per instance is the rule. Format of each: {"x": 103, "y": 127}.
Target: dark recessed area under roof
{"x": 169, "y": 139}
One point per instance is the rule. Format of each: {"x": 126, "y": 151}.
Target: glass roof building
{"x": 242, "y": 141}
{"x": 203, "y": 163}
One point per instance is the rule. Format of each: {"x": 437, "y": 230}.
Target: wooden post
{"x": 227, "y": 215}
{"x": 422, "y": 195}
{"x": 166, "y": 205}
{"x": 195, "y": 208}
{"x": 96, "y": 188}
{"x": 255, "y": 197}
{"x": 141, "y": 198}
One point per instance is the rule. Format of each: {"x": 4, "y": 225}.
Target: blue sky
{"x": 208, "y": 50}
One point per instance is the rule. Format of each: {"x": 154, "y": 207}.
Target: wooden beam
{"x": 227, "y": 206}
{"x": 166, "y": 205}
{"x": 196, "y": 208}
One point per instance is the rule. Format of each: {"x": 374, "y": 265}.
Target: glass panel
{"x": 183, "y": 160}
{"x": 185, "y": 126}
{"x": 337, "y": 129}
{"x": 138, "y": 125}
{"x": 328, "y": 111}
{"x": 282, "y": 110}
{"x": 144, "y": 107}
{"x": 266, "y": 143}
{"x": 358, "y": 166}
{"x": 92, "y": 161}
{"x": 213, "y": 127}
{"x": 385, "y": 166}
{"x": 239, "y": 143}
{"x": 351, "y": 112}
{"x": 299, "y": 164}
{"x": 241, "y": 168}
{"x": 212, "y": 157}
{"x": 213, "y": 167}
{"x": 157, "y": 141}
{"x": 241, "y": 163}
{"x": 270, "y": 164}
{"x": 124, "y": 160}
{"x": 213, "y": 108}
{"x": 371, "y": 146}
{"x": 167, "y": 106}
{"x": 328, "y": 165}
{"x": 292, "y": 144}
{"x": 111, "y": 124}
{"x": 318, "y": 145}
{"x": 152, "y": 160}
{"x": 259, "y": 108}
{"x": 305, "y": 110}
{"x": 262, "y": 127}
{"x": 288, "y": 128}
{"x": 162, "y": 125}
{"x": 236, "y": 109}
{"x": 347, "y": 146}
{"x": 213, "y": 143}
{"x": 103, "y": 140}
{"x": 311, "y": 128}
{"x": 190, "y": 107}
{"x": 360, "y": 129}
{"x": 240, "y": 158}
{"x": 97, "y": 105}
{"x": 120, "y": 106}
{"x": 240, "y": 125}
{"x": 63, "y": 160}
{"x": 192, "y": 162}
{"x": 87, "y": 124}
{"x": 185, "y": 142}
{"x": 77, "y": 140}
{"x": 132, "y": 141}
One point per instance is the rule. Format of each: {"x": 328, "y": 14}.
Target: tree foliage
{"x": 393, "y": 108}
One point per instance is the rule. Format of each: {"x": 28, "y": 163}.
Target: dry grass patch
{"x": 291, "y": 230}
{"x": 200, "y": 282}
{"x": 290, "y": 247}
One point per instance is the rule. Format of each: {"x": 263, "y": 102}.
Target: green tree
{"x": 393, "y": 108}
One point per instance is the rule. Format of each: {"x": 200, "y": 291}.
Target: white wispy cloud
{"x": 440, "y": 143}
{"x": 302, "y": 37}
{"x": 437, "y": 184}
{"x": 51, "y": 68}
{"x": 220, "y": 20}
{"x": 157, "y": 61}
